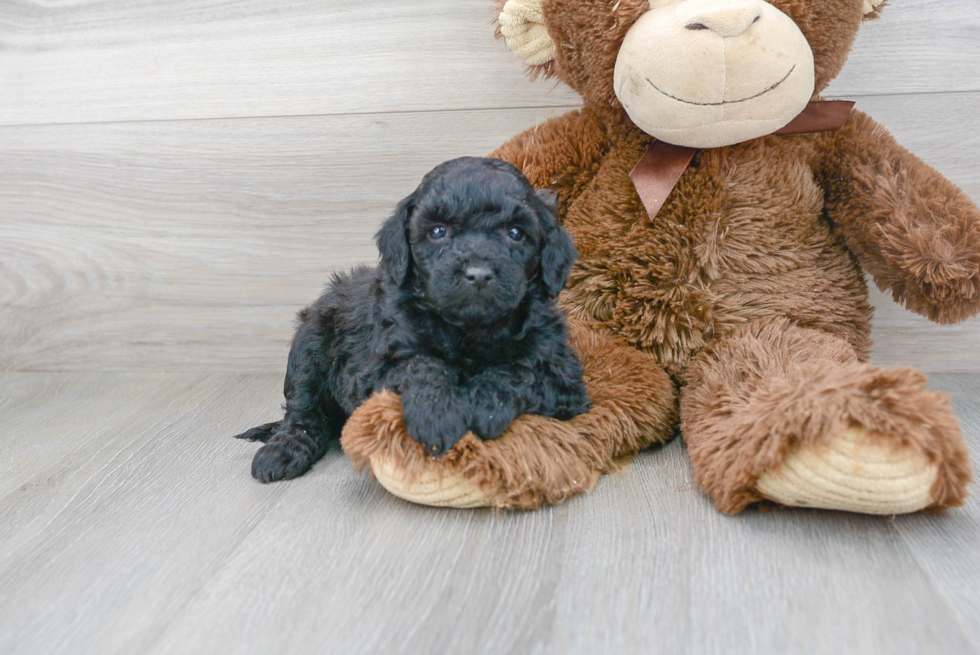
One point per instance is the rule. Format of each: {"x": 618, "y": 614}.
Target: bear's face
{"x": 699, "y": 73}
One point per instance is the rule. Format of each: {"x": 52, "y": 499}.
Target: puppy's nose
{"x": 478, "y": 276}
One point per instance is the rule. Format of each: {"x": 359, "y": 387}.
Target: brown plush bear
{"x": 738, "y": 310}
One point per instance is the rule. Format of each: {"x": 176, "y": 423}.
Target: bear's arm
{"x": 914, "y": 231}
{"x": 560, "y": 154}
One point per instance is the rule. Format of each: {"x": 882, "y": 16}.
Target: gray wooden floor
{"x": 129, "y": 524}
{"x": 178, "y": 177}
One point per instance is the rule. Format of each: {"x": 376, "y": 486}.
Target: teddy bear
{"x": 720, "y": 290}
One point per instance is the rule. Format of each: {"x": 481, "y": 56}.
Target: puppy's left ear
{"x": 558, "y": 252}
{"x": 392, "y": 240}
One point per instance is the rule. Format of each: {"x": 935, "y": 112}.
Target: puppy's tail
{"x": 259, "y": 433}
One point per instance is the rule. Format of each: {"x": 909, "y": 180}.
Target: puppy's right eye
{"x": 437, "y": 232}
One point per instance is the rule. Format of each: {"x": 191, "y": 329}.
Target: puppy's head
{"x": 474, "y": 240}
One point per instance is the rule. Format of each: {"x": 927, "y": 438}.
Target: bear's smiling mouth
{"x": 723, "y": 102}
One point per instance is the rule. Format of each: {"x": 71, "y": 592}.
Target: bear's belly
{"x": 712, "y": 261}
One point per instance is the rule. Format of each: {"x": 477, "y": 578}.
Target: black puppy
{"x": 459, "y": 320}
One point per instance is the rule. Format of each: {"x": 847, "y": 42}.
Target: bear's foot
{"x": 853, "y": 472}
{"x": 428, "y": 487}
{"x": 777, "y": 412}
{"x": 537, "y": 461}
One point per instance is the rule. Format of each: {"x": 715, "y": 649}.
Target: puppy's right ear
{"x": 392, "y": 240}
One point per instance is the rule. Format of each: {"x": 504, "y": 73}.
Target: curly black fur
{"x": 459, "y": 319}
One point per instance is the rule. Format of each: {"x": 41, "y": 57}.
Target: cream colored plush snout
{"x": 727, "y": 19}
{"x": 710, "y": 73}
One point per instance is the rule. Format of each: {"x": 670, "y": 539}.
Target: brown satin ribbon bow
{"x": 661, "y": 167}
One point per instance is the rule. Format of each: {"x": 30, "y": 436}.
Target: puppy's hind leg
{"x": 298, "y": 441}
{"x": 313, "y": 416}
{"x": 291, "y": 451}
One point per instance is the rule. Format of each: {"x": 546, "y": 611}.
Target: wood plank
{"x": 157, "y": 541}
{"x": 189, "y": 245}
{"x": 642, "y": 564}
{"x": 94, "y": 61}
{"x": 656, "y": 569}
{"x": 91, "y": 61}
{"x": 374, "y": 574}
{"x": 37, "y": 449}
{"x": 134, "y": 496}
{"x": 915, "y": 46}
{"x": 902, "y": 338}
{"x": 949, "y": 545}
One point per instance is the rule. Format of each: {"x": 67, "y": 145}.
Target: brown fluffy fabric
{"x": 911, "y": 228}
{"x": 740, "y": 239}
{"x": 747, "y": 288}
{"x": 744, "y": 241}
{"x": 539, "y": 460}
{"x": 772, "y": 386}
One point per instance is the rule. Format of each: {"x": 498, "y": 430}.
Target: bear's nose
{"x": 478, "y": 276}
{"x": 727, "y": 18}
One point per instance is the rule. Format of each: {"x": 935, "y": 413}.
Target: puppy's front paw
{"x": 280, "y": 460}
{"x": 437, "y": 429}
{"x": 490, "y": 420}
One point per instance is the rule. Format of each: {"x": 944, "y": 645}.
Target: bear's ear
{"x": 871, "y": 8}
{"x": 521, "y": 25}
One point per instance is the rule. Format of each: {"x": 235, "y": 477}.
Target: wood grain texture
{"x": 177, "y": 178}
{"x": 118, "y": 504}
{"x": 945, "y": 548}
{"x": 148, "y": 60}
{"x": 189, "y": 245}
{"x": 92, "y": 61}
{"x": 143, "y": 532}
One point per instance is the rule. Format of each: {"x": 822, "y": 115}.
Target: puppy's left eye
{"x": 437, "y": 232}
{"x": 515, "y": 234}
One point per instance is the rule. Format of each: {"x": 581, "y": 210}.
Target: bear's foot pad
{"x": 853, "y": 473}
{"x": 428, "y": 487}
